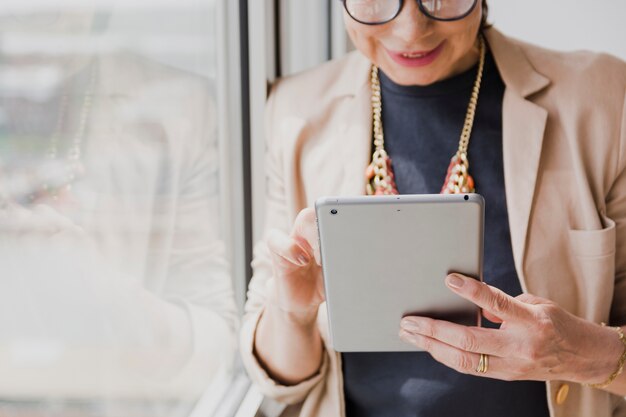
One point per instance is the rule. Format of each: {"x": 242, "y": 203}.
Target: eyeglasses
{"x": 377, "y": 12}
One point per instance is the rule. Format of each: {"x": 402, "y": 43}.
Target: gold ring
{"x": 483, "y": 364}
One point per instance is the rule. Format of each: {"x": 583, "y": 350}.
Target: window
{"x": 119, "y": 227}
{"x": 132, "y": 189}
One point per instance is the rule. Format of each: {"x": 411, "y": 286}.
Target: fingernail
{"x": 410, "y": 325}
{"x": 303, "y": 259}
{"x": 454, "y": 281}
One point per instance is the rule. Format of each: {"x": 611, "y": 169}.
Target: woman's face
{"x": 413, "y": 49}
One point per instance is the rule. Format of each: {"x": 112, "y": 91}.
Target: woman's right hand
{"x": 287, "y": 341}
{"x": 297, "y": 288}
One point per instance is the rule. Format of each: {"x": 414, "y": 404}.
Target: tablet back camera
{"x": 466, "y": 197}
{"x": 333, "y": 211}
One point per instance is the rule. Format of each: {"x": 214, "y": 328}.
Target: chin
{"x": 413, "y": 76}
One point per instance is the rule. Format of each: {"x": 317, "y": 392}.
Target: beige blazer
{"x": 564, "y": 134}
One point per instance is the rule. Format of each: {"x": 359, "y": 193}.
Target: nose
{"x": 411, "y": 23}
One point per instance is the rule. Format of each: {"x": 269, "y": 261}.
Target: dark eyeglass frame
{"x": 422, "y": 9}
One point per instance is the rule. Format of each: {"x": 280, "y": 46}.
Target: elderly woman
{"x": 548, "y": 153}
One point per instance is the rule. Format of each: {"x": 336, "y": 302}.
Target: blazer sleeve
{"x": 278, "y": 216}
{"x": 616, "y": 210}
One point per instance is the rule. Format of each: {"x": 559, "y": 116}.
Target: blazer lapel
{"x": 355, "y": 130}
{"x": 523, "y": 126}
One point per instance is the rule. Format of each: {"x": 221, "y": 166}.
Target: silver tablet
{"x": 386, "y": 257}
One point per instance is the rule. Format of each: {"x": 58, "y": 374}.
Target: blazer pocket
{"x": 594, "y": 243}
{"x": 593, "y": 260}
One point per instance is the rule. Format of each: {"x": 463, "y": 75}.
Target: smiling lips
{"x": 415, "y": 55}
{"x": 416, "y": 59}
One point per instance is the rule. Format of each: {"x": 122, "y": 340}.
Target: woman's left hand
{"x": 538, "y": 340}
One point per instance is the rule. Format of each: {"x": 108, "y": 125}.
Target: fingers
{"x": 299, "y": 288}
{"x": 492, "y": 300}
{"x": 40, "y": 221}
{"x": 301, "y": 246}
{"x": 524, "y": 298}
{"x": 469, "y": 339}
{"x": 287, "y": 251}
{"x": 492, "y": 318}
{"x": 305, "y": 232}
{"x": 55, "y": 222}
{"x": 531, "y": 299}
{"x": 457, "y": 359}
{"x": 14, "y": 218}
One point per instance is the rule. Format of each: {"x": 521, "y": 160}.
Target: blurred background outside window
{"x": 116, "y": 292}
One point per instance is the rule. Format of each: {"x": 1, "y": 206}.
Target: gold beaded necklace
{"x": 379, "y": 173}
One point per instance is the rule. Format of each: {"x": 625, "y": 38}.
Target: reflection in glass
{"x": 115, "y": 294}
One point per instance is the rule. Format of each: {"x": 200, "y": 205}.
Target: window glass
{"x": 116, "y": 293}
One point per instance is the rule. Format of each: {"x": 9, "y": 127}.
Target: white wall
{"x": 597, "y": 25}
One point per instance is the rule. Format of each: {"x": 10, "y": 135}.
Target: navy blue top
{"x": 422, "y": 126}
